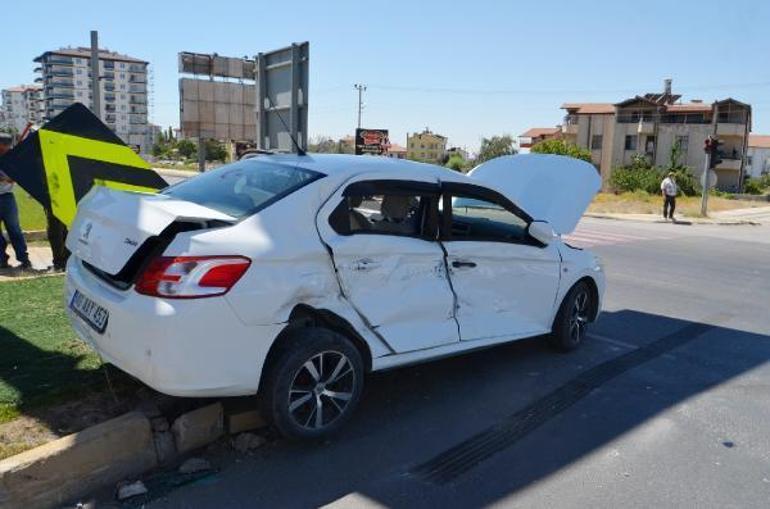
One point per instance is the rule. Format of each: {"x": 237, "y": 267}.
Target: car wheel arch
{"x": 302, "y": 316}
{"x": 593, "y": 288}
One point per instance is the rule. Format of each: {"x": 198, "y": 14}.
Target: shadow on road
{"x": 433, "y": 433}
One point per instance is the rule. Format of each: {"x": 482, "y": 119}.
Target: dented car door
{"x": 382, "y": 235}
{"x": 505, "y": 281}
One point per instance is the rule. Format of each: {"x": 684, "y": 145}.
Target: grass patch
{"x": 42, "y": 361}
{"x": 641, "y": 202}
{"x": 31, "y": 214}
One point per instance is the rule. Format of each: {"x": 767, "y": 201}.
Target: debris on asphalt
{"x": 246, "y": 442}
{"x": 165, "y": 447}
{"x": 159, "y": 424}
{"x": 193, "y": 465}
{"x": 133, "y": 489}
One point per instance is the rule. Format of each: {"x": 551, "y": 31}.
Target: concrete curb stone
{"x": 52, "y": 474}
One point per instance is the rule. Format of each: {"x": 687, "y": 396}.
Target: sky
{"x": 466, "y": 70}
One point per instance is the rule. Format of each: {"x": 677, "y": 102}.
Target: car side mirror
{"x": 541, "y": 231}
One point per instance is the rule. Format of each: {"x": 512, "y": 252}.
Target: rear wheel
{"x": 313, "y": 385}
{"x": 571, "y": 322}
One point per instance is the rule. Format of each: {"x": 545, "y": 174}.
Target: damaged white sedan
{"x": 292, "y": 276}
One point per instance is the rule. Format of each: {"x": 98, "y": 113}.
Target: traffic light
{"x": 713, "y": 147}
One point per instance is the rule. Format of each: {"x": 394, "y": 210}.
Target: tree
{"x": 495, "y": 146}
{"x": 456, "y": 163}
{"x": 562, "y": 148}
{"x": 323, "y": 145}
{"x": 215, "y": 150}
{"x": 186, "y": 148}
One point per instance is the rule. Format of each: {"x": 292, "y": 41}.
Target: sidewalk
{"x": 41, "y": 259}
{"x": 754, "y": 216}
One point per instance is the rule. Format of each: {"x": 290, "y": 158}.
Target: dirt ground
{"x": 643, "y": 203}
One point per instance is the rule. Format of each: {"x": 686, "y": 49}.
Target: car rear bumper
{"x": 185, "y": 347}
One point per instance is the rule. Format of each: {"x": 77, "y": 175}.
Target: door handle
{"x": 458, "y": 264}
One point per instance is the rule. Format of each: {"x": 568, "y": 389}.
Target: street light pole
{"x": 361, "y": 89}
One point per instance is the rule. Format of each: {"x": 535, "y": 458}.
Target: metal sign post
{"x": 282, "y": 98}
{"x": 704, "y": 200}
{"x": 268, "y": 104}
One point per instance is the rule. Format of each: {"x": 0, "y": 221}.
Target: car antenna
{"x": 300, "y": 150}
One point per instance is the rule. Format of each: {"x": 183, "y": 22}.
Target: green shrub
{"x": 752, "y": 186}
{"x": 630, "y": 178}
{"x": 561, "y": 147}
{"x": 641, "y": 176}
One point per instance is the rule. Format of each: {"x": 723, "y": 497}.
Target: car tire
{"x": 313, "y": 385}
{"x": 571, "y": 322}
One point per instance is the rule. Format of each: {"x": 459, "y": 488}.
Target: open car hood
{"x": 111, "y": 225}
{"x": 557, "y": 189}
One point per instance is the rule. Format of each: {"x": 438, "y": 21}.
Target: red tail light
{"x": 190, "y": 277}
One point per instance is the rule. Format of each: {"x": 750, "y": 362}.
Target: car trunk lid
{"x": 553, "y": 188}
{"x": 112, "y": 225}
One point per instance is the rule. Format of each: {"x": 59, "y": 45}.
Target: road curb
{"x": 97, "y": 457}
{"x": 653, "y": 219}
{"x": 67, "y": 468}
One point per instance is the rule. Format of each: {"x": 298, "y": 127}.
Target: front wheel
{"x": 571, "y": 322}
{"x": 314, "y": 384}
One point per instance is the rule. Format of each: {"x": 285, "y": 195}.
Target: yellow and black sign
{"x": 60, "y": 162}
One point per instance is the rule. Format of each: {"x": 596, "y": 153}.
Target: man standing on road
{"x": 9, "y": 215}
{"x": 669, "y": 190}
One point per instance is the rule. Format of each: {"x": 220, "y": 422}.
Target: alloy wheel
{"x": 321, "y": 390}
{"x": 578, "y": 317}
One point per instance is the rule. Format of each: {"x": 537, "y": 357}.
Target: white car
{"x": 292, "y": 276}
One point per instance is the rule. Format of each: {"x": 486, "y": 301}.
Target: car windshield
{"x": 243, "y": 188}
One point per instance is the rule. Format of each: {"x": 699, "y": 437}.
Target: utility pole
{"x": 361, "y": 89}
{"x": 96, "y": 100}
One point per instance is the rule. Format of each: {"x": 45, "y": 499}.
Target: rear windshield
{"x": 243, "y": 188}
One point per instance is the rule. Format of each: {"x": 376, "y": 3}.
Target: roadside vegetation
{"x": 563, "y": 148}
{"x": 51, "y": 383}
{"x": 42, "y": 361}
{"x": 169, "y": 151}
{"x": 760, "y": 185}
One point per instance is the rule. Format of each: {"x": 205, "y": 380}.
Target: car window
{"x": 243, "y": 188}
{"x": 388, "y": 207}
{"x": 473, "y": 218}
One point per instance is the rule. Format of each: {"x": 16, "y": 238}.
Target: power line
{"x": 480, "y": 91}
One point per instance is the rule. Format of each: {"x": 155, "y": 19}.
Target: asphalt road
{"x": 666, "y": 405}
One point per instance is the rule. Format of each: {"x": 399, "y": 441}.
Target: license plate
{"x": 91, "y": 312}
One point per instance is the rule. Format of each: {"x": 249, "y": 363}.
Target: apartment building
{"x": 426, "y": 146}
{"x": 396, "y": 151}
{"x": 66, "y": 78}
{"x": 651, "y": 124}
{"x": 758, "y": 155}
{"x": 535, "y": 135}
{"x": 21, "y": 106}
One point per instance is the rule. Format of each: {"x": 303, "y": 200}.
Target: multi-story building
{"x": 426, "y": 146}
{"x": 535, "y": 135}
{"x": 758, "y": 155}
{"x": 652, "y": 124}
{"x": 457, "y": 151}
{"x": 396, "y": 151}
{"x": 22, "y": 106}
{"x": 66, "y": 78}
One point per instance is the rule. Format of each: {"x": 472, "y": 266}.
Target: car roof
{"x": 347, "y": 165}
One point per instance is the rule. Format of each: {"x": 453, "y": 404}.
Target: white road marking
{"x": 586, "y": 238}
